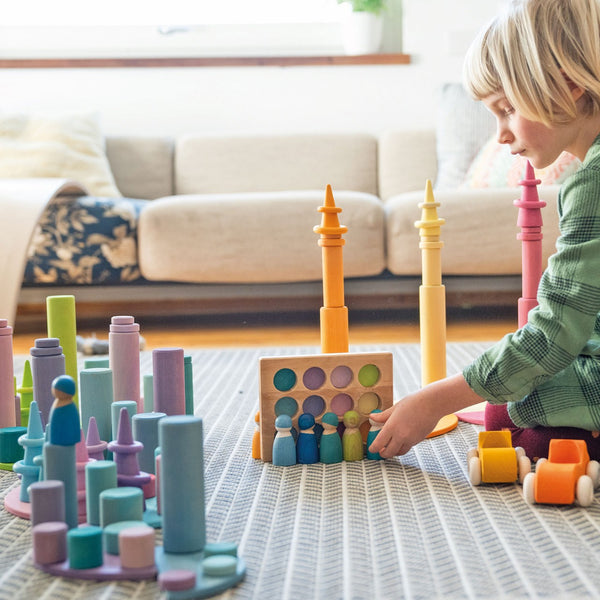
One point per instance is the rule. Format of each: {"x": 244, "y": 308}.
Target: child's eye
{"x": 508, "y": 110}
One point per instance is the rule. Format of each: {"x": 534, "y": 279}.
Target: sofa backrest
{"x": 406, "y": 160}
{"x": 215, "y": 164}
{"x": 142, "y": 166}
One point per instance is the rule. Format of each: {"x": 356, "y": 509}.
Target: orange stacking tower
{"x": 334, "y": 314}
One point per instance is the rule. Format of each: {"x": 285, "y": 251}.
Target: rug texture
{"x": 410, "y": 527}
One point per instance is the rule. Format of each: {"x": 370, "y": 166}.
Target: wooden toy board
{"x": 322, "y": 383}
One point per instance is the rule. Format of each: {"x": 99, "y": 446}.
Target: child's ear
{"x": 576, "y": 91}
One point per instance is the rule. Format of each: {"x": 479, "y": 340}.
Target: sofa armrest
{"x": 22, "y": 201}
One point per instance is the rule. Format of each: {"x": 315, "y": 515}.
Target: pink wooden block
{"x": 177, "y": 580}
{"x": 124, "y": 359}
{"x": 136, "y": 547}
{"x": 7, "y": 377}
{"x": 50, "y": 542}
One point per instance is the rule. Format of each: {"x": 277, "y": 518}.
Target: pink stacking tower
{"x": 530, "y": 222}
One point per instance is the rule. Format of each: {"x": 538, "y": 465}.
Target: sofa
{"x": 209, "y": 224}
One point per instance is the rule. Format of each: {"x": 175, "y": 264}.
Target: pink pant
{"x": 535, "y": 440}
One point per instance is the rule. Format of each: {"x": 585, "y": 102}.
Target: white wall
{"x": 267, "y": 99}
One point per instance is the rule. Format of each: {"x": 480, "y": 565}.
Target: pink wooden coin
{"x": 177, "y": 580}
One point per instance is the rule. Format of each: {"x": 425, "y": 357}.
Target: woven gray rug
{"x": 404, "y": 528}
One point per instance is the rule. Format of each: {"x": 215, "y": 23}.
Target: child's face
{"x": 540, "y": 144}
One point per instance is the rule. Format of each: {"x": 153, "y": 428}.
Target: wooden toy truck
{"x": 496, "y": 461}
{"x": 566, "y": 475}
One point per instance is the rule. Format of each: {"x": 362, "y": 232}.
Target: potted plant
{"x": 362, "y": 25}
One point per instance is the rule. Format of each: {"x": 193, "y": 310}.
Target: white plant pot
{"x": 361, "y": 32}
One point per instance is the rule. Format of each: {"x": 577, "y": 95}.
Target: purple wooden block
{"x": 47, "y": 363}
{"x": 169, "y": 381}
{"x": 47, "y": 501}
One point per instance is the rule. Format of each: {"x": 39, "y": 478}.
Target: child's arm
{"x": 414, "y": 417}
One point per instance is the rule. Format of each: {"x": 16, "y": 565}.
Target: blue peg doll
{"x": 306, "y": 447}
{"x": 65, "y": 429}
{"x": 284, "y": 447}
{"x": 330, "y": 450}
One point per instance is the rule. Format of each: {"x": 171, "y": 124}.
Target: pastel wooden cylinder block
{"x": 49, "y": 542}
{"x": 84, "y": 546}
{"x": 177, "y": 580}
{"x": 47, "y": 363}
{"x": 148, "y": 387}
{"x": 96, "y": 397}
{"x": 114, "y": 530}
{"x": 47, "y": 500}
{"x": 145, "y": 430}
{"x": 182, "y": 484}
{"x": 96, "y": 362}
{"x": 7, "y": 394}
{"x": 10, "y": 449}
{"x": 121, "y": 504}
{"x": 61, "y": 318}
{"x": 169, "y": 380}
{"x": 124, "y": 356}
{"x": 136, "y": 547}
{"x": 59, "y": 463}
{"x": 188, "y": 370}
{"x": 100, "y": 475}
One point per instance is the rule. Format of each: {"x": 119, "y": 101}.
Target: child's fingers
{"x": 381, "y": 417}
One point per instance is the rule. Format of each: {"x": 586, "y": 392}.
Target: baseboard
{"x": 96, "y": 304}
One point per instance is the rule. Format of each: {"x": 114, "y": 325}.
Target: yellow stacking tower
{"x": 432, "y": 294}
{"x": 334, "y": 314}
{"x": 432, "y": 301}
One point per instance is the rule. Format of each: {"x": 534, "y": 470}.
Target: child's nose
{"x": 503, "y": 134}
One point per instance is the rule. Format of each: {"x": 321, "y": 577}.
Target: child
{"x": 536, "y": 67}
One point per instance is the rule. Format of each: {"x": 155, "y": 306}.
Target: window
{"x": 169, "y": 28}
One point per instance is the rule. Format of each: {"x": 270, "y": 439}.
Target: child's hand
{"x": 414, "y": 417}
{"x": 406, "y": 423}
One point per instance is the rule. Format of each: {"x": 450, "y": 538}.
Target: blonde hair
{"x": 533, "y": 52}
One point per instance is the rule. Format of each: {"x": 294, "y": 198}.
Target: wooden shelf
{"x": 205, "y": 61}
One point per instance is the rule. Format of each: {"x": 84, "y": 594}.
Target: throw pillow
{"x": 463, "y": 127}
{"x": 495, "y": 166}
{"x": 70, "y": 146}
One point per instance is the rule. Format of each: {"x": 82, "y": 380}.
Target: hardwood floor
{"x": 297, "y": 330}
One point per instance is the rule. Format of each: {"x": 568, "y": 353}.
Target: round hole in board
{"x": 286, "y": 406}
{"x": 313, "y": 405}
{"x": 341, "y": 376}
{"x": 284, "y": 380}
{"x": 313, "y": 378}
{"x": 368, "y": 402}
{"x": 342, "y": 403}
{"x": 368, "y": 375}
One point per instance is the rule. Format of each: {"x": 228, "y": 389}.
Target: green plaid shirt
{"x": 549, "y": 370}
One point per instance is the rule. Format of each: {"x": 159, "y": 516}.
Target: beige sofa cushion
{"x": 479, "y": 234}
{"x": 211, "y": 164}
{"x": 406, "y": 160}
{"x": 142, "y": 166}
{"x": 254, "y": 237}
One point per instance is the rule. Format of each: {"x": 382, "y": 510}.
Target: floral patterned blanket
{"x": 85, "y": 240}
